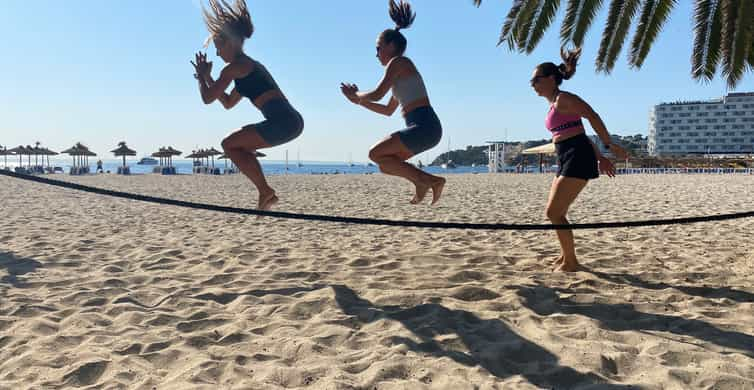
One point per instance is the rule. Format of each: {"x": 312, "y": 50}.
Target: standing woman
{"x": 579, "y": 159}
{"x": 423, "y": 129}
{"x": 229, "y": 27}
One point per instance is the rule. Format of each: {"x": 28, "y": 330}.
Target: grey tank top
{"x": 409, "y": 89}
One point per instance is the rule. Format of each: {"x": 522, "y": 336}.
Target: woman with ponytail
{"x": 229, "y": 26}
{"x": 579, "y": 160}
{"x": 423, "y": 129}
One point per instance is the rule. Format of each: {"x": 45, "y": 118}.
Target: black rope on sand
{"x": 376, "y": 222}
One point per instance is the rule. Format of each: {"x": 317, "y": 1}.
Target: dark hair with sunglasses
{"x": 564, "y": 71}
{"x": 403, "y": 17}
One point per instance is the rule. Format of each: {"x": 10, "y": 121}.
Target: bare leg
{"x": 563, "y": 192}
{"x": 241, "y": 147}
{"x": 391, "y": 155}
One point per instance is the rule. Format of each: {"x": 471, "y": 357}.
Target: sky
{"x": 100, "y": 72}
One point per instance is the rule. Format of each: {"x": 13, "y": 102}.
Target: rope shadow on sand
{"x": 698, "y": 291}
{"x": 623, "y": 317}
{"x": 16, "y": 266}
{"x": 491, "y": 344}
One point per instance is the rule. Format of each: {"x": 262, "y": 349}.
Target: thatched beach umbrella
{"x": 541, "y": 150}
{"x": 80, "y": 154}
{"x": 47, "y": 153}
{"x": 122, "y": 151}
{"x": 212, "y": 152}
{"x": 20, "y": 151}
{"x": 5, "y": 153}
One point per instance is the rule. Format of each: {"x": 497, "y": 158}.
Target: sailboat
{"x": 448, "y": 164}
{"x": 350, "y": 160}
{"x": 298, "y": 157}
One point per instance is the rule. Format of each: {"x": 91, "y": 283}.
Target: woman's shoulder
{"x": 240, "y": 69}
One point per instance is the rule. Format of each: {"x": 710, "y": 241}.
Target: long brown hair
{"x": 565, "y": 70}
{"x": 226, "y": 21}
{"x": 403, "y": 16}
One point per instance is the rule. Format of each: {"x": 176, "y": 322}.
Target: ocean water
{"x": 269, "y": 167}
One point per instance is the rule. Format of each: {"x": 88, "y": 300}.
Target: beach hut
{"x": 80, "y": 154}
{"x": 122, "y": 151}
{"x": 541, "y": 150}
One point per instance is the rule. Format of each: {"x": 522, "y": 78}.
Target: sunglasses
{"x": 536, "y": 79}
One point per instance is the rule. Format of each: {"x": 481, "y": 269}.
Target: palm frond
{"x": 654, "y": 15}
{"x": 544, "y": 19}
{"x": 589, "y": 9}
{"x": 569, "y": 21}
{"x": 510, "y": 21}
{"x": 524, "y": 23}
{"x": 737, "y": 38}
{"x": 620, "y": 17}
{"x": 706, "y": 52}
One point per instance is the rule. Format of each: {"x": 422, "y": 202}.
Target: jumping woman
{"x": 423, "y": 129}
{"x": 579, "y": 160}
{"x": 229, "y": 26}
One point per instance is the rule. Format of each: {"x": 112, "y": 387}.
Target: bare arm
{"x": 571, "y": 104}
{"x": 228, "y": 100}
{"x": 391, "y": 73}
{"x": 383, "y": 109}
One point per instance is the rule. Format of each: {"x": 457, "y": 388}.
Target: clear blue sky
{"x": 105, "y": 71}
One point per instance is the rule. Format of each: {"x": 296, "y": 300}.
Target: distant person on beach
{"x": 579, "y": 160}
{"x": 423, "y": 129}
{"x": 229, "y": 27}
{"x": 99, "y": 167}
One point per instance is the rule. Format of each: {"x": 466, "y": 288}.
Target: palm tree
{"x": 723, "y": 31}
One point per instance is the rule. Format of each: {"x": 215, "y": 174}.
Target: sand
{"x": 105, "y": 293}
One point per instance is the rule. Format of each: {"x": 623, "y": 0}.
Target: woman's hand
{"x": 349, "y": 91}
{"x": 202, "y": 67}
{"x": 606, "y": 166}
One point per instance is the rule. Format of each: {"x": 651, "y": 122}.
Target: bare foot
{"x": 557, "y": 262}
{"x": 266, "y": 201}
{"x": 568, "y": 266}
{"x": 437, "y": 187}
{"x": 421, "y": 192}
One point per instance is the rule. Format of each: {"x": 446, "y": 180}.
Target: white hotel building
{"x": 720, "y": 126}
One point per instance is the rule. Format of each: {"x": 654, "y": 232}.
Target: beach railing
{"x": 684, "y": 171}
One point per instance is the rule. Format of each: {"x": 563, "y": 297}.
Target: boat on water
{"x": 448, "y": 165}
{"x": 147, "y": 161}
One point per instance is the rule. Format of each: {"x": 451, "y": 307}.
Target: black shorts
{"x": 576, "y": 158}
{"x": 423, "y": 130}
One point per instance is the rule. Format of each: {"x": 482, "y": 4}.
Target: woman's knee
{"x": 554, "y": 214}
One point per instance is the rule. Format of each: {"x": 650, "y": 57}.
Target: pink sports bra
{"x": 560, "y": 124}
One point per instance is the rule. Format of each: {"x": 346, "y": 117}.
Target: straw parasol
{"x": 20, "y": 151}
{"x": 122, "y": 151}
{"x": 541, "y": 150}
{"x": 5, "y": 153}
{"x": 212, "y": 152}
{"x": 80, "y": 154}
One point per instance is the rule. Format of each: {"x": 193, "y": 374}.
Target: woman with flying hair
{"x": 229, "y": 26}
{"x": 423, "y": 129}
{"x": 579, "y": 160}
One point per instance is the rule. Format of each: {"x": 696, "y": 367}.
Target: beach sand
{"x": 105, "y": 293}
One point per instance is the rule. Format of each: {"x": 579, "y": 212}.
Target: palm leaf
{"x": 572, "y": 12}
{"x": 737, "y": 38}
{"x": 510, "y": 21}
{"x": 544, "y": 19}
{"x": 524, "y": 22}
{"x": 707, "y": 27}
{"x": 619, "y": 20}
{"x": 653, "y": 17}
{"x": 584, "y": 20}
